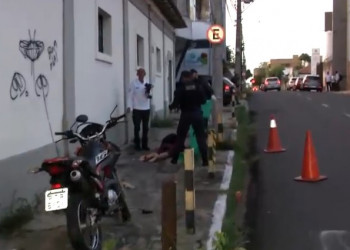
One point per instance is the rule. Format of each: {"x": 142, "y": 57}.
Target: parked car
{"x": 272, "y": 83}
{"x": 291, "y": 83}
{"x": 312, "y": 82}
{"x": 297, "y": 84}
{"x": 229, "y": 90}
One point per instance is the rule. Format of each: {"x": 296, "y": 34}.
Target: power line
{"x": 229, "y": 13}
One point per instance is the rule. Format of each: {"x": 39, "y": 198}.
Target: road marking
{"x": 347, "y": 115}
{"x": 325, "y": 105}
{"x": 309, "y": 98}
{"x": 334, "y": 239}
{"x": 220, "y": 204}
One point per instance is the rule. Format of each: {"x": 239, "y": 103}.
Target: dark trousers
{"x": 194, "y": 118}
{"x": 139, "y": 116}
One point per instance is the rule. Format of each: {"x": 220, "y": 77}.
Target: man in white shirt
{"x": 138, "y": 101}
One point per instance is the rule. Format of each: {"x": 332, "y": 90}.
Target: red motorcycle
{"x": 86, "y": 186}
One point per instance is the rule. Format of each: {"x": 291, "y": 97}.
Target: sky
{"x": 278, "y": 28}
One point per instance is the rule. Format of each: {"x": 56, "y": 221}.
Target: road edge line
{"x": 219, "y": 209}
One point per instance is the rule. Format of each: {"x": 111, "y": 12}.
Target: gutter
{"x": 126, "y": 62}
{"x": 150, "y": 73}
{"x": 163, "y": 70}
{"x": 68, "y": 59}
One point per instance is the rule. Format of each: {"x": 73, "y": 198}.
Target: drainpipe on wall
{"x": 173, "y": 81}
{"x": 164, "y": 75}
{"x": 150, "y": 54}
{"x": 126, "y": 62}
{"x": 68, "y": 69}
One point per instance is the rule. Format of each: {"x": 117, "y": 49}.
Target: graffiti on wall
{"x": 18, "y": 86}
{"x": 42, "y": 86}
{"x": 52, "y": 51}
{"x": 32, "y": 49}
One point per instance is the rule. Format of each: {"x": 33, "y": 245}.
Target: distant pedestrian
{"x": 338, "y": 78}
{"x": 333, "y": 82}
{"x": 328, "y": 81}
{"x": 138, "y": 101}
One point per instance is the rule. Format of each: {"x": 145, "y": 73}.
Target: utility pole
{"x": 238, "y": 58}
{"x": 218, "y": 52}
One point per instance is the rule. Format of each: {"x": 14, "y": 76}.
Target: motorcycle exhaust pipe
{"x": 75, "y": 175}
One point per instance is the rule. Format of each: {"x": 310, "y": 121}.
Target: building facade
{"x": 336, "y": 28}
{"x": 69, "y": 57}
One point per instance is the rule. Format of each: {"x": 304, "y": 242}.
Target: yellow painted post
{"x": 189, "y": 191}
{"x": 220, "y": 128}
{"x": 211, "y": 154}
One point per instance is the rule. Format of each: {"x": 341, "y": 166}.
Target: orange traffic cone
{"x": 310, "y": 172}
{"x": 274, "y": 144}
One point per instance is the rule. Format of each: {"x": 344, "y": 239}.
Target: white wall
{"x": 138, "y": 25}
{"x": 24, "y": 123}
{"x": 348, "y": 31}
{"x": 169, "y": 55}
{"x": 315, "y": 59}
{"x": 157, "y": 77}
{"x": 329, "y": 45}
{"x": 98, "y": 79}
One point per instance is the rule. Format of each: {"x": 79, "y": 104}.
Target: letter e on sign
{"x": 216, "y": 34}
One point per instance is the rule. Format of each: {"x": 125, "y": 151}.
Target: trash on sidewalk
{"x": 127, "y": 185}
{"x": 146, "y": 211}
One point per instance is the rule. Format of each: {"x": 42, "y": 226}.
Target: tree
{"x": 277, "y": 71}
{"x": 304, "y": 58}
{"x": 248, "y": 74}
{"x": 230, "y": 55}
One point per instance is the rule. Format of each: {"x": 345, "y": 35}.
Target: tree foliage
{"x": 305, "y": 57}
{"x": 230, "y": 55}
{"x": 248, "y": 73}
{"x": 277, "y": 71}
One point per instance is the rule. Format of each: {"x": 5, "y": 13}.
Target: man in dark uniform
{"x": 189, "y": 97}
{"x": 204, "y": 84}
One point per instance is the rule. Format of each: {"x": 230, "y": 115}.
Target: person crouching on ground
{"x": 166, "y": 149}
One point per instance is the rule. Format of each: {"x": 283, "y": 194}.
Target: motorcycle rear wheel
{"x": 83, "y": 230}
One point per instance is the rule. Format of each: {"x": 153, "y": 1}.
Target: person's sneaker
{"x": 146, "y": 148}
{"x": 137, "y": 148}
{"x": 173, "y": 161}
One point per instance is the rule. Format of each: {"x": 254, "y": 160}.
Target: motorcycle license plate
{"x": 56, "y": 199}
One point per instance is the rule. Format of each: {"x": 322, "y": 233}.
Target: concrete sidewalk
{"x": 47, "y": 230}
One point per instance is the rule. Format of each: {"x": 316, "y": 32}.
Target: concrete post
{"x": 169, "y": 217}
{"x": 189, "y": 191}
{"x": 217, "y": 62}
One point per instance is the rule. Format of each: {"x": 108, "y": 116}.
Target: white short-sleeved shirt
{"x": 137, "y": 98}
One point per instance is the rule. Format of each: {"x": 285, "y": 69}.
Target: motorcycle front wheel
{"x": 83, "y": 229}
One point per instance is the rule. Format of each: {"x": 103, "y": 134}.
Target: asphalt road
{"x": 303, "y": 216}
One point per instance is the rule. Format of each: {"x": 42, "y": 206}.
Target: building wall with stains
{"x": 31, "y": 96}
{"x": 31, "y": 74}
{"x": 53, "y": 69}
{"x": 98, "y": 75}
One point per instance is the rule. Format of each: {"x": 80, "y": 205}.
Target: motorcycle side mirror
{"x": 113, "y": 111}
{"x": 82, "y": 118}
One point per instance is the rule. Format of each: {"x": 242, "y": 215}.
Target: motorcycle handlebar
{"x": 70, "y": 134}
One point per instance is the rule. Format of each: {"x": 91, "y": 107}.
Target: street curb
{"x": 219, "y": 209}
